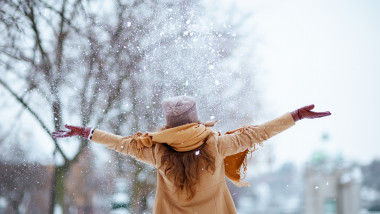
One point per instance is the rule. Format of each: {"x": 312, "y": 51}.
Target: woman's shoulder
{"x": 212, "y": 137}
{"x": 212, "y": 144}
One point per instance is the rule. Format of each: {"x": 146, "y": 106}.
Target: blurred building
{"x": 24, "y": 187}
{"x": 326, "y": 185}
{"x": 331, "y": 188}
{"x": 272, "y": 192}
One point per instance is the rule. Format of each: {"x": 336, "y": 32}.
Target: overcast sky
{"x": 322, "y": 52}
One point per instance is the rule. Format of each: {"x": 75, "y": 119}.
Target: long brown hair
{"x": 184, "y": 168}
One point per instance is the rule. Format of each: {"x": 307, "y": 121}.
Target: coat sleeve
{"x": 122, "y": 144}
{"x": 248, "y": 137}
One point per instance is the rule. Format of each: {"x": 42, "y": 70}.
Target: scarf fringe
{"x": 244, "y": 163}
{"x": 137, "y": 143}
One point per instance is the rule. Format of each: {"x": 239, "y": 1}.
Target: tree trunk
{"x": 57, "y": 196}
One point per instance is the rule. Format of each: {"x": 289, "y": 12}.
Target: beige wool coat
{"x": 213, "y": 196}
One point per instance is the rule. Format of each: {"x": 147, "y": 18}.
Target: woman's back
{"x": 212, "y": 195}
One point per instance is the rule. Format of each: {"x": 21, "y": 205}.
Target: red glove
{"x": 73, "y": 131}
{"x": 305, "y": 112}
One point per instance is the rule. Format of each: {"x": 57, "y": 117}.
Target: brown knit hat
{"x": 180, "y": 110}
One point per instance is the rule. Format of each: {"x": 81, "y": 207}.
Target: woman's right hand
{"x": 72, "y": 131}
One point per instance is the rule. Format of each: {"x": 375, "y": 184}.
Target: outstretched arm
{"x": 115, "y": 142}
{"x": 245, "y": 138}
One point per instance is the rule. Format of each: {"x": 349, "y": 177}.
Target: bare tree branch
{"x": 34, "y": 114}
{"x": 32, "y": 19}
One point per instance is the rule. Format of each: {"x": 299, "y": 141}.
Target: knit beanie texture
{"x": 180, "y": 110}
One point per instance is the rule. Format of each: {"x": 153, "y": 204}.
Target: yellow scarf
{"x": 189, "y": 137}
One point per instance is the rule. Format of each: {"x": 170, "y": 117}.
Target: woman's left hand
{"x": 305, "y": 112}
